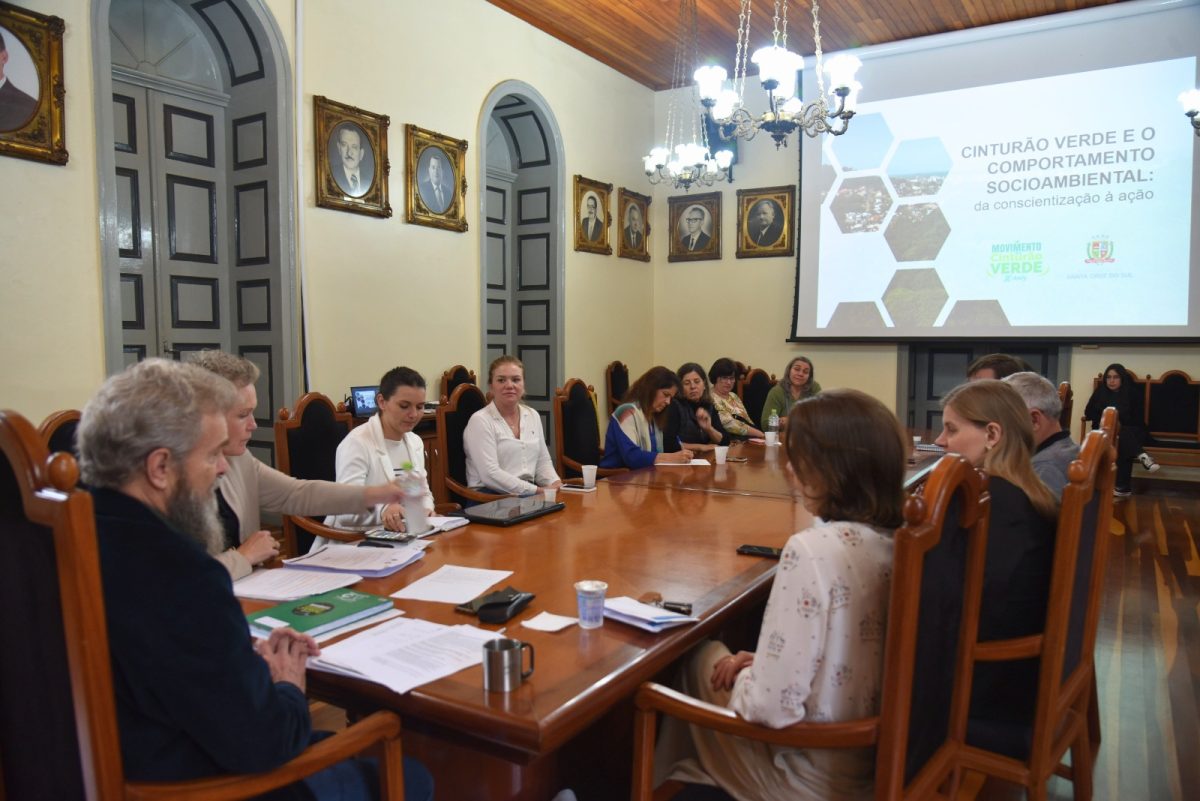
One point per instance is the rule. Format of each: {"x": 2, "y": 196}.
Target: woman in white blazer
{"x": 384, "y": 446}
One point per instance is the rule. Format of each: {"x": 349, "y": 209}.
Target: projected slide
{"x": 1025, "y": 204}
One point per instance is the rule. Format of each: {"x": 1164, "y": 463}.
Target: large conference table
{"x": 670, "y": 530}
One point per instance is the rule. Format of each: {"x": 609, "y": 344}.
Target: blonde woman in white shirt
{"x": 820, "y": 648}
{"x": 506, "y": 449}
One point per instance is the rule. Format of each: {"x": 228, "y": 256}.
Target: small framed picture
{"x": 435, "y": 179}
{"x": 592, "y": 217}
{"x": 695, "y": 227}
{"x": 31, "y": 96}
{"x": 633, "y": 210}
{"x": 351, "y": 156}
{"x": 765, "y": 226}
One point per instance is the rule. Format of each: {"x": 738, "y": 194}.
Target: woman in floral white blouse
{"x": 820, "y": 649}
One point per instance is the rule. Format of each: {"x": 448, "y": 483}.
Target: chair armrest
{"x": 470, "y": 494}
{"x": 601, "y": 472}
{"x": 376, "y": 728}
{"x": 446, "y": 508}
{"x": 322, "y": 530}
{"x": 1007, "y": 650}
{"x": 847, "y": 734}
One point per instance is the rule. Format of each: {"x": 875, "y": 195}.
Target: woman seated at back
{"x": 635, "y": 435}
{"x": 692, "y": 422}
{"x": 820, "y": 648}
{"x": 384, "y": 447}
{"x": 1119, "y": 390}
{"x": 798, "y": 382}
{"x": 987, "y": 422}
{"x": 730, "y": 409}
{"x": 249, "y": 486}
{"x": 506, "y": 450}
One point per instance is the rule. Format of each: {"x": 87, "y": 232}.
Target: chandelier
{"x": 681, "y": 162}
{"x": 778, "y": 71}
{"x": 1190, "y": 100}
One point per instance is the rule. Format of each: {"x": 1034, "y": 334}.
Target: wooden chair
{"x": 57, "y": 431}
{"x": 1066, "y": 678}
{"x": 453, "y": 377}
{"x": 753, "y": 390}
{"x": 926, "y": 682}
{"x": 576, "y": 431}
{"x": 58, "y": 719}
{"x": 1067, "y": 397}
{"x": 306, "y": 444}
{"x": 616, "y": 383}
{"x": 452, "y": 418}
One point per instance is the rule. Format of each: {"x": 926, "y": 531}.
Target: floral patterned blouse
{"x": 733, "y": 414}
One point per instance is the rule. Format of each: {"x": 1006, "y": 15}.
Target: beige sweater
{"x": 249, "y": 487}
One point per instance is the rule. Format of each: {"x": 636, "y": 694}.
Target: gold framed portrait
{"x": 31, "y": 99}
{"x": 435, "y": 182}
{"x": 592, "y": 217}
{"x": 633, "y": 212}
{"x": 765, "y": 223}
{"x": 695, "y": 232}
{"x": 351, "y": 158}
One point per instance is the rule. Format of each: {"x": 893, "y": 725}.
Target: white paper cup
{"x": 721, "y": 453}
{"x": 772, "y": 437}
{"x": 550, "y": 493}
{"x": 916, "y": 440}
{"x": 589, "y": 475}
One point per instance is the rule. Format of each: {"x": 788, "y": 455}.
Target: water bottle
{"x": 412, "y": 487}
{"x": 773, "y": 428}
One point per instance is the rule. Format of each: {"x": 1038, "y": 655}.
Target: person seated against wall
{"x": 692, "y": 422}
{"x": 635, "y": 436}
{"x": 730, "y": 409}
{"x": 1053, "y": 449}
{"x": 798, "y": 382}
{"x": 987, "y": 423}
{"x": 195, "y": 696}
{"x": 997, "y": 365}
{"x": 249, "y": 486}
{"x": 383, "y": 448}
{"x": 820, "y": 647}
{"x": 505, "y": 445}
{"x": 1119, "y": 390}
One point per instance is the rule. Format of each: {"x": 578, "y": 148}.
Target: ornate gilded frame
{"x": 585, "y": 187}
{"x": 782, "y": 199}
{"x": 421, "y": 201}
{"x": 677, "y": 207}
{"x": 42, "y": 136}
{"x": 331, "y": 118}
{"x": 626, "y": 200}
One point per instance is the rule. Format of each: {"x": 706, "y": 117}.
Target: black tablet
{"x": 507, "y": 511}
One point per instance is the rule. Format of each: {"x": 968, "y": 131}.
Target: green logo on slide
{"x": 1012, "y": 259}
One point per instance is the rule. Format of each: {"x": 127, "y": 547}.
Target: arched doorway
{"x": 194, "y": 131}
{"x": 523, "y": 239}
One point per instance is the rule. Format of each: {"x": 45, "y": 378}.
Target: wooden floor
{"x": 1147, "y": 654}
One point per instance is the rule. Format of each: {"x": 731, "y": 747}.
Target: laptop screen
{"x": 362, "y": 401}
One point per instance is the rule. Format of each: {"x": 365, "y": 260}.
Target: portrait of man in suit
{"x": 350, "y": 159}
{"x": 691, "y": 232}
{"x": 435, "y": 180}
{"x": 16, "y": 106}
{"x": 634, "y": 233}
{"x": 766, "y": 223}
{"x": 593, "y": 226}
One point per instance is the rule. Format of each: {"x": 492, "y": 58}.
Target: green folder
{"x": 317, "y": 614}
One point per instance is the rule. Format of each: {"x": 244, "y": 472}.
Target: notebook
{"x": 507, "y": 511}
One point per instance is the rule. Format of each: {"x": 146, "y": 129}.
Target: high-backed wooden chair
{"x": 576, "y": 430}
{"x": 306, "y": 442}
{"x": 58, "y": 720}
{"x": 753, "y": 390}
{"x": 933, "y": 615}
{"x": 453, "y": 377}
{"x": 616, "y": 383}
{"x": 57, "y": 431}
{"x": 1030, "y": 755}
{"x": 452, "y": 419}
{"x": 1067, "y": 397}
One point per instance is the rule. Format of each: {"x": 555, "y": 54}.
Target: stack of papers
{"x": 405, "y": 653}
{"x": 283, "y": 584}
{"x": 644, "y": 616}
{"x": 452, "y": 584}
{"x": 698, "y": 462}
{"x": 365, "y": 562}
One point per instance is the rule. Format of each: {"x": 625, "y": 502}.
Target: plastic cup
{"x": 916, "y": 440}
{"x": 772, "y": 437}
{"x": 721, "y": 453}
{"x": 589, "y": 475}
{"x": 550, "y": 494}
{"x": 590, "y": 595}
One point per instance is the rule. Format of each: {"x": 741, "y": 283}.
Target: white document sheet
{"x": 406, "y": 653}
{"x": 371, "y": 562}
{"x": 697, "y": 462}
{"x": 283, "y": 584}
{"x": 452, "y": 584}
